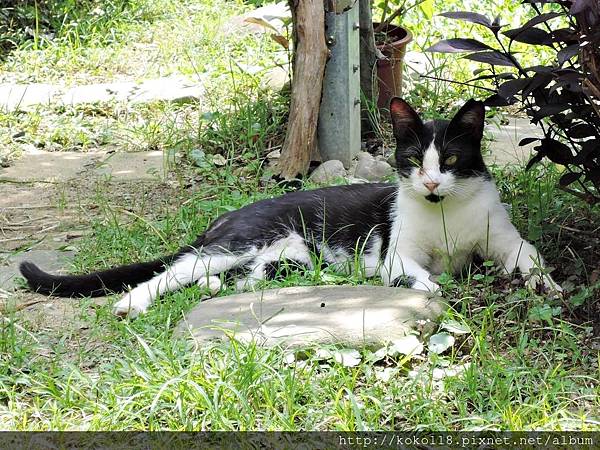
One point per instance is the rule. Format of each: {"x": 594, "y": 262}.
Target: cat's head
{"x": 441, "y": 158}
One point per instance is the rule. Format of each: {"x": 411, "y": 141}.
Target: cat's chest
{"x": 451, "y": 229}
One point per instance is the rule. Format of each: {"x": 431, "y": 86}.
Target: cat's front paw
{"x": 130, "y": 306}
{"x": 212, "y": 284}
{"x": 545, "y": 281}
{"x": 426, "y": 285}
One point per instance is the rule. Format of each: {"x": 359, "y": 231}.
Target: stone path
{"x": 47, "y": 202}
{"x": 504, "y": 149}
{"x": 298, "y": 316}
{"x": 173, "y": 88}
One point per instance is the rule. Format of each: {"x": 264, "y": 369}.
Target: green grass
{"x": 530, "y": 360}
{"x": 529, "y": 364}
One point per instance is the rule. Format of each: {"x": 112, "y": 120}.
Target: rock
{"x": 48, "y": 260}
{"x": 372, "y": 169}
{"x": 328, "y": 172}
{"x": 301, "y": 316}
{"x": 275, "y": 154}
{"x": 392, "y": 160}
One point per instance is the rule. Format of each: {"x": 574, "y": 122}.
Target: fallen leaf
{"x": 453, "y": 326}
{"x": 219, "y": 160}
{"x": 439, "y": 343}
{"x": 347, "y": 358}
{"x": 408, "y": 345}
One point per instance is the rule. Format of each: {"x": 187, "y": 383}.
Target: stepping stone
{"x": 133, "y": 166}
{"x": 48, "y": 260}
{"x": 301, "y": 316}
{"x": 40, "y": 166}
{"x": 49, "y": 166}
{"x": 17, "y": 96}
{"x": 505, "y": 150}
{"x": 174, "y": 88}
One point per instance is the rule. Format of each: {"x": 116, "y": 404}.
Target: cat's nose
{"x": 431, "y": 186}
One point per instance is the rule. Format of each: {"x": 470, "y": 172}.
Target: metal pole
{"x": 339, "y": 116}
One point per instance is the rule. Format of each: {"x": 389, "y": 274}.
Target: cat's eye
{"x": 450, "y": 160}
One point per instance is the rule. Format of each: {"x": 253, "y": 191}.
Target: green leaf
{"x": 427, "y": 8}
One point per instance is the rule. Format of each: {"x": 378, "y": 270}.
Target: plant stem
{"x": 458, "y": 82}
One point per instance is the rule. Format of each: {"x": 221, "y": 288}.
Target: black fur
{"x": 341, "y": 216}
{"x": 94, "y": 284}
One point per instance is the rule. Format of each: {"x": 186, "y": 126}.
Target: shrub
{"x": 562, "y": 96}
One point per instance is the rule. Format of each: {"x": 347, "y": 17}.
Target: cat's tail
{"x": 94, "y": 284}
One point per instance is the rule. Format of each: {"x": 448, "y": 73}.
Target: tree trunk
{"x": 310, "y": 55}
{"x": 368, "y": 69}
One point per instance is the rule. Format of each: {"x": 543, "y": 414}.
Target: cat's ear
{"x": 470, "y": 118}
{"x": 405, "y": 120}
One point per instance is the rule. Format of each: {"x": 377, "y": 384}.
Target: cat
{"x": 443, "y": 210}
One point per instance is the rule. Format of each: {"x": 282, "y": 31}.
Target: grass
{"x": 527, "y": 361}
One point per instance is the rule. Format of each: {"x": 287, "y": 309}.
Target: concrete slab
{"x": 301, "y": 316}
{"x": 505, "y": 150}
{"x": 17, "y": 96}
{"x": 49, "y": 260}
{"x": 172, "y": 88}
{"x": 40, "y": 166}
{"x": 175, "y": 88}
{"x": 133, "y": 166}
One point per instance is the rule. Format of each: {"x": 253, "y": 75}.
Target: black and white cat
{"x": 444, "y": 209}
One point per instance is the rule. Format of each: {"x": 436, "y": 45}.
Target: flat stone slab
{"x": 505, "y": 150}
{"x": 300, "y": 316}
{"x": 49, "y": 260}
{"x": 174, "y": 88}
{"x": 49, "y": 166}
{"x": 171, "y": 88}
{"x": 133, "y": 166}
{"x": 40, "y": 166}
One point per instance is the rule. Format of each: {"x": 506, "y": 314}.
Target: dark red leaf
{"x": 458, "y": 45}
{"x": 534, "y": 159}
{"x": 539, "y": 69}
{"x": 497, "y": 100}
{"x": 531, "y": 35}
{"x": 569, "y": 178}
{"x": 469, "y": 17}
{"x": 593, "y": 176}
{"x": 564, "y": 35}
{"x": 539, "y": 80}
{"x": 539, "y": 19}
{"x": 587, "y": 151}
{"x": 567, "y": 53}
{"x": 548, "y": 110}
{"x": 494, "y": 58}
{"x": 556, "y": 151}
{"x": 581, "y": 130}
{"x": 509, "y": 88}
{"x": 527, "y": 141}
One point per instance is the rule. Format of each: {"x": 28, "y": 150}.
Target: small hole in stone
{"x": 322, "y": 305}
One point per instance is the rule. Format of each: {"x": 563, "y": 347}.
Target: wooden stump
{"x": 310, "y": 55}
